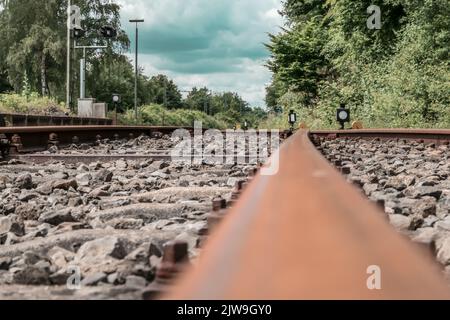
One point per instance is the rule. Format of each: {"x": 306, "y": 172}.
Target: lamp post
{"x": 69, "y": 24}
{"x": 136, "y": 21}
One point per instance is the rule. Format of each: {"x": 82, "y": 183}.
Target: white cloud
{"x": 213, "y": 43}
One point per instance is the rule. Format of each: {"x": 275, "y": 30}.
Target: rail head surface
{"x": 305, "y": 233}
{"x": 36, "y": 138}
{"x": 80, "y": 128}
{"x": 425, "y": 135}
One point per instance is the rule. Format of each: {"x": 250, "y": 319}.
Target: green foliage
{"x": 304, "y": 41}
{"x": 157, "y": 115}
{"x": 398, "y": 76}
{"x": 162, "y": 90}
{"x": 228, "y": 106}
{"x": 114, "y": 74}
{"x": 33, "y": 38}
{"x": 26, "y": 88}
{"x": 199, "y": 99}
{"x": 31, "y": 104}
{"x": 33, "y": 59}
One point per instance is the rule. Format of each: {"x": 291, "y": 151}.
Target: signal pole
{"x": 69, "y": 23}
{"x": 136, "y": 21}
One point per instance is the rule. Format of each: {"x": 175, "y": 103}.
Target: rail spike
{"x": 175, "y": 260}
{"x": 4, "y": 145}
{"x": 16, "y": 144}
{"x": 219, "y": 210}
{"x": 52, "y": 140}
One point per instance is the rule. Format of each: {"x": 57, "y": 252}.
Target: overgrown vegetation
{"x": 33, "y": 59}
{"x": 398, "y": 76}
{"x": 31, "y": 104}
{"x": 157, "y": 115}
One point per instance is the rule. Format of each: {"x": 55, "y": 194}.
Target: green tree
{"x": 4, "y": 83}
{"x": 200, "y": 99}
{"x": 114, "y": 75}
{"x": 397, "y": 76}
{"x": 163, "y": 91}
{"x": 297, "y": 60}
{"x": 297, "y": 11}
{"x": 34, "y": 35}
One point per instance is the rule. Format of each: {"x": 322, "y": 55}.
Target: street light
{"x": 136, "y": 21}
{"x": 69, "y": 27}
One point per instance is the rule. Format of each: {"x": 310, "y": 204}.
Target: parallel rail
{"x": 37, "y": 138}
{"x": 429, "y": 136}
{"x": 26, "y": 120}
{"x": 305, "y": 233}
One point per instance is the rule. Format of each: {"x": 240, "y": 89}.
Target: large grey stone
{"x": 83, "y": 179}
{"x": 65, "y": 184}
{"x": 31, "y": 275}
{"x": 24, "y": 181}
{"x": 443, "y": 250}
{"x": 94, "y": 279}
{"x": 58, "y": 217}
{"x": 104, "y": 247}
{"x": 400, "y": 222}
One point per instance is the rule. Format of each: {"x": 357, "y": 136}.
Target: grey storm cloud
{"x": 210, "y": 38}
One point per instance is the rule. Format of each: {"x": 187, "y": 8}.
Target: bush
{"x": 30, "y": 104}
{"x": 157, "y": 115}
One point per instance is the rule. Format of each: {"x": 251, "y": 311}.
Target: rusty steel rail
{"x": 305, "y": 233}
{"x": 37, "y": 138}
{"x": 27, "y": 120}
{"x": 425, "y": 135}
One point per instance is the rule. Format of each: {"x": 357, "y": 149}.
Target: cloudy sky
{"x": 213, "y": 43}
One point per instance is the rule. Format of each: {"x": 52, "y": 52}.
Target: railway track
{"x": 305, "y": 233}
{"x": 107, "y": 204}
{"x": 31, "y": 139}
{"x": 100, "y": 210}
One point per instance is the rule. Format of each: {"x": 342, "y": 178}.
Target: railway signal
{"x": 116, "y": 100}
{"x": 78, "y": 33}
{"x": 108, "y": 32}
{"x": 343, "y": 115}
{"x": 292, "y": 119}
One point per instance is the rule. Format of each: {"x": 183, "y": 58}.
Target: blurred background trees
{"x": 324, "y": 55}
{"x": 33, "y": 62}
{"x": 398, "y": 76}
